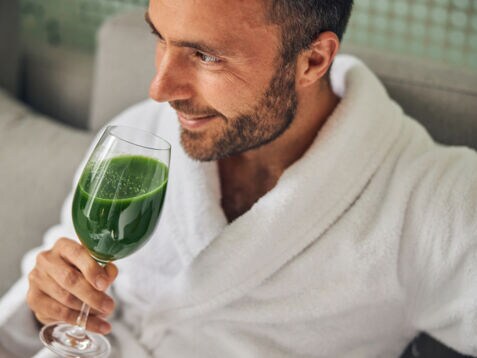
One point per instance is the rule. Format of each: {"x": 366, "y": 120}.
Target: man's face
{"x": 219, "y": 66}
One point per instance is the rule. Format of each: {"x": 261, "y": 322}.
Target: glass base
{"x": 62, "y": 338}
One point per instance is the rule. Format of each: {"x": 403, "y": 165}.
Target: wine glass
{"x": 116, "y": 206}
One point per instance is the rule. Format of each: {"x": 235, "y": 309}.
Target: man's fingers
{"x": 73, "y": 281}
{"x": 49, "y": 286}
{"x": 97, "y": 324}
{"x": 53, "y": 311}
{"x": 49, "y": 310}
{"x": 79, "y": 256}
{"x": 111, "y": 271}
{"x": 65, "y": 277}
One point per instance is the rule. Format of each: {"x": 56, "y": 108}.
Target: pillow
{"x": 38, "y": 158}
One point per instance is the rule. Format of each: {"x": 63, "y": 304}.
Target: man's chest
{"x": 241, "y": 190}
{"x": 236, "y": 200}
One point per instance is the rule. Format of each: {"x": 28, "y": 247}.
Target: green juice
{"x": 117, "y": 204}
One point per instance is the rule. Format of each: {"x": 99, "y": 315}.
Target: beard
{"x": 270, "y": 117}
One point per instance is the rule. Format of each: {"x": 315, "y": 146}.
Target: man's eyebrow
{"x": 196, "y": 45}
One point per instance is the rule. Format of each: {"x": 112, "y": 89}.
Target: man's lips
{"x": 193, "y": 122}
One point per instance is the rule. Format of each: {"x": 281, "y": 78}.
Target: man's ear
{"x": 313, "y": 63}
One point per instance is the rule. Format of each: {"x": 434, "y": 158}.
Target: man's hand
{"x": 63, "y": 278}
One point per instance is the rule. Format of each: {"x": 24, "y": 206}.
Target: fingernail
{"x": 101, "y": 283}
{"x": 105, "y": 328}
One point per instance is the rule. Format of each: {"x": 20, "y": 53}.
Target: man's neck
{"x": 250, "y": 175}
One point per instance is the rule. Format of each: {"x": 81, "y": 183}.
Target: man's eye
{"x": 157, "y": 35}
{"x": 207, "y": 58}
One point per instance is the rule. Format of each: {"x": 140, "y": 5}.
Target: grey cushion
{"x": 58, "y": 82}
{"x": 443, "y": 98}
{"x": 37, "y": 160}
{"x": 124, "y": 66}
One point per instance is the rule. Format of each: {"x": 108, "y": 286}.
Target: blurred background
{"x": 441, "y": 30}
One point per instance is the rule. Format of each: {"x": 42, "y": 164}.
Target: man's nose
{"x": 171, "y": 82}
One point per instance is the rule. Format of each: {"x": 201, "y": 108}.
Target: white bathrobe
{"x": 368, "y": 239}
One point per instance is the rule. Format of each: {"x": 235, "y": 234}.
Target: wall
{"x": 441, "y": 30}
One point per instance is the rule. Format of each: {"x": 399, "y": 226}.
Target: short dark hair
{"x": 301, "y": 21}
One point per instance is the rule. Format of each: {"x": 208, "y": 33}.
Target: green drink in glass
{"x": 116, "y": 207}
{"x": 114, "y": 218}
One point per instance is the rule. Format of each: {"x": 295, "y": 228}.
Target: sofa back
{"x": 124, "y": 66}
{"x": 443, "y": 98}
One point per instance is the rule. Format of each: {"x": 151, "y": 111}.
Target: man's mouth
{"x": 194, "y": 122}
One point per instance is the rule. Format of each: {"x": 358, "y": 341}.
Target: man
{"x": 324, "y": 222}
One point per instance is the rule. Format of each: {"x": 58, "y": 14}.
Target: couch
{"x": 39, "y": 154}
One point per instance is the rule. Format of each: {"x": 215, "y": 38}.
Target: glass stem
{"x": 81, "y": 321}
{"x": 79, "y": 331}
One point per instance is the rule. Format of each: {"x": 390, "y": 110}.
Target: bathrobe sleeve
{"x": 441, "y": 269}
